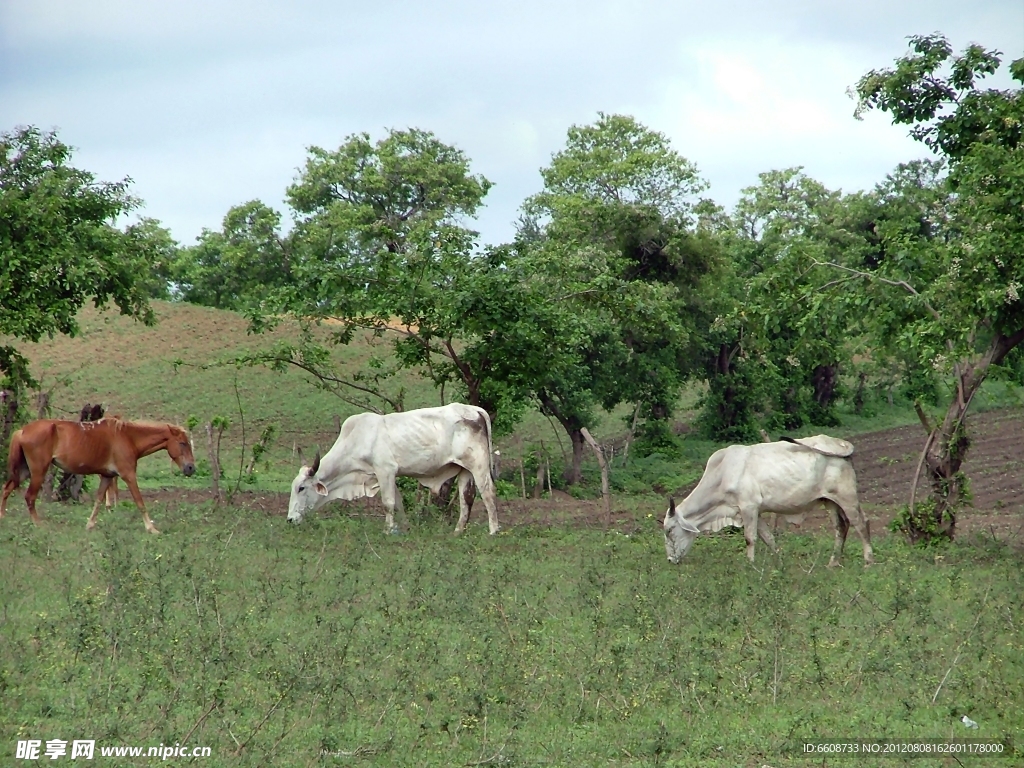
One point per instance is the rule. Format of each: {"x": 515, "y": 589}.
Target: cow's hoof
{"x": 833, "y": 563}
{"x": 396, "y": 531}
{"x": 496, "y": 529}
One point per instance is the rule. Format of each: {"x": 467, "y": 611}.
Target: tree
{"x": 953, "y": 303}
{"x": 774, "y": 351}
{"x": 613, "y": 234}
{"x": 60, "y": 246}
{"x": 233, "y": 268}
{"x": 380, "y": 244}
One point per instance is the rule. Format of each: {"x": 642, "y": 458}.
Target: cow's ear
{"x": 321, "y": 488}
{"x": 687, "y": 525}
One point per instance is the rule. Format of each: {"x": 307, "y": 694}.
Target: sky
{"x": 206, "y": 104}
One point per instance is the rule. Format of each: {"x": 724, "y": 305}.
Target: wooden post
{"x": 214, "y": 463}
{"x": 605, "y": 493}
{"x": 538, "y": 483}
{"x": 629, "y": 437}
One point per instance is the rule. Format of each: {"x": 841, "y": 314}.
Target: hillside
{"x": 131, "y": 370}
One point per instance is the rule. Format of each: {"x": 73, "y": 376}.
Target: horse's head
{"x": 179, "y": 448}
{"x": 680, "y": 533}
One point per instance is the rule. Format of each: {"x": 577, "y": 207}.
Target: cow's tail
{"x": 17, "y": 465}
{"x": 490, "y": 446}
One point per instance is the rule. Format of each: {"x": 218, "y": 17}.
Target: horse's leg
{"x": 129, "y": 480}
{"x": 34, "y": 486}
{"x": 100, "y": 494}
{"x": 9, "y": 487}
{"x": 111, "y": 494}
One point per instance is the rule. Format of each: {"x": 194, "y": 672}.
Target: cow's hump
{"x": 830, "y": 446}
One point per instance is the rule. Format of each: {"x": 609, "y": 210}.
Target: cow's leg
{"x": 842, "y": 525}
{"x": 129, "y": 480}
{"x": 751, "y": 525}
{"x": 861, "y": 525}
{"x": 766, "y": 534}
{"x": 100, "y": 494}
{"x": 486, "y": 485}
{"x": 465, "y": 500}
{"x": 392, "y": 500}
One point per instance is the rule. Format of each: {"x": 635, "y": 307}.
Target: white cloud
{"x": 209, "y": 103}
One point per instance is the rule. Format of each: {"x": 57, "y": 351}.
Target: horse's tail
{"x": 17, "y": 464}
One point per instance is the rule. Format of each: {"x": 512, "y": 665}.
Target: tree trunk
{"x": 946, "y": 449}
{"x": 573, "y": 425}
{"x": 574, "y": 472}
{"x": 824, "y": 380}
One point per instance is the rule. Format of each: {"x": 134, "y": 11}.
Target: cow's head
{"x": 307, "y": 492}
{"x": 680, "y": 533}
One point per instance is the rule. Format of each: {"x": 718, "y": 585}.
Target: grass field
{"x": 271, "y": 644}
{"x": 552, "y": 644}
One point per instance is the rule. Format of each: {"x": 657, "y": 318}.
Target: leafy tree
{"x": 953, "y": 303}
{"x": 60, "y": 246}
{"x": 233, "y": 268}
{"x": 774, "y": 351}
{"x": 613, "y": 234}
{"x": 380, "y": 244}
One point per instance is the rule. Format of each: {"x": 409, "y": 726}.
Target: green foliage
{"x": 379, "y": 244}
{"x": 58, "y": 246}
{"x": 775, "y": 349}
{"x": 236, "y": 267}
{"x": 947, "y": 292}
{"x": 613, "y": 233}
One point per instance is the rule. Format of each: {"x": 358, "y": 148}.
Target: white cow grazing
{"x": 789, "y": 478}
{"x": 430, "y": 444}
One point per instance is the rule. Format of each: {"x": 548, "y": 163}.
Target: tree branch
{"x": 395, "y": 405}
{"x": 896, "y": 283}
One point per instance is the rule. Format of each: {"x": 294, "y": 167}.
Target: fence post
{"x": 214, "y": 463}
{"x": 605, "y": 493}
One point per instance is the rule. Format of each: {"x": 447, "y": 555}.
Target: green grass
{"x": 538, "y": 647}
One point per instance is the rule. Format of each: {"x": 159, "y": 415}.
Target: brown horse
{"x": 110, "y": 448}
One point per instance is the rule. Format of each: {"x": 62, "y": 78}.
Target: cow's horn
{"x": 671, "y": 507}
{"x": 316, "y": 464}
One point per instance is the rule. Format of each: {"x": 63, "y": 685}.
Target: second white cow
{"x": 430, "y": 444}
{"x": 790, "y": 477}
